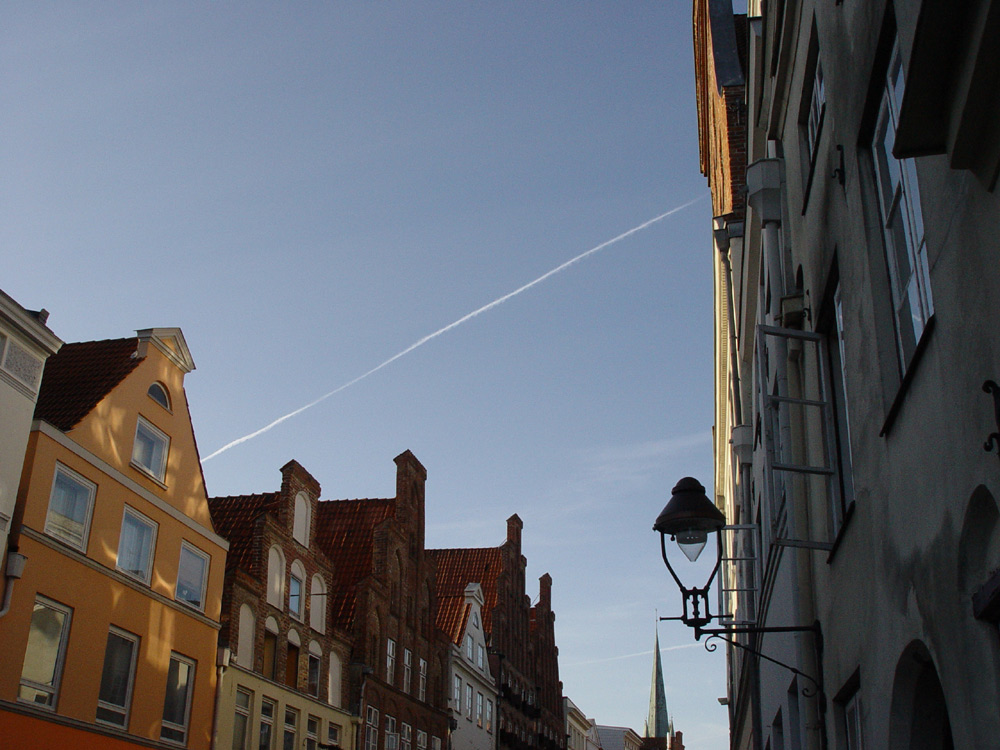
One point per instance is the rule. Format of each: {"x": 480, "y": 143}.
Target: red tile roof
{"x": 456, "y": 569}
{"x": 345, "y": 531}
{"x": 235, "y": 518}
{"x": 78, "y": 376}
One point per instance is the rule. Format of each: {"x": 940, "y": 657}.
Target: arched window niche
{"x": 275, "y": 577}
{"x": 300, "y": 524}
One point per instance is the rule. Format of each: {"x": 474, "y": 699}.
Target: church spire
{"x": 657, "y": 722}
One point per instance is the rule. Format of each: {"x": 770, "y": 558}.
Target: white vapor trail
{"x": 628, "y": 656}
{"x": 463, "y": 319}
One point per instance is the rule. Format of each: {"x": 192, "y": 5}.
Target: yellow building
{"x": 111, "y": 636}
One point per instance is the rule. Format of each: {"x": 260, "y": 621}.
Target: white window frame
{"x": 901, "y": 221}
{"x": 817, "y": 107}
{"x": 407, "y": 669}
{"x": 468, "y": 648}
{"x": 153, "y": 527}
{"x": 854, "y": 738}
{"x": 192, "y": 550}
{"x": 421, "y": 740}
{"x": 313, "y": 724}
{"x": 390, "y": 660}
{"x": 480, "y": 700}
{"x": 162, "y": 389}
{"x": 489, "y": 715}
{"x": 317, "y": 659}
{"x": 293, "y": 578}
{"x": 166, "y": 726}
{"x": 49, "y": 690}
{"x": 371, "y": 728}
{"x": 422, "y": 683}
{"x": 405, "y": 737}
{"x": 468, "y": 701}
{"x": 51, "y": 526}
{"x": 480, "y": 655}
{"x": 244, "y": 712}
{"x": 158, "y": 469}
{"x": 266, "y": 720}
{"x": 332, "y": 733}
{"x": 122, "y": 711}
{"x": 456, "y": 689}
{"x": 391, "y": 736}
{"x": 290, "y": 729}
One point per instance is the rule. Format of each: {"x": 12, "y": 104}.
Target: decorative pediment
{"x": 170, "y": 341}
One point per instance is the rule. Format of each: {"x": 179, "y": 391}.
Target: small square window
{"x": 136, "y": 544}
{"x": 70, "y": 506}
{"x": 191, "y": 573}
{"x": 150, "y": 450}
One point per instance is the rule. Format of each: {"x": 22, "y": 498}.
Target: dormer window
{"x": 150, "y": 450}
{"x": 159, "y": 394}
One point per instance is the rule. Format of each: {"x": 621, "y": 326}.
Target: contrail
{"x": 470, "y": 316}
{"x": 629, "y": 656}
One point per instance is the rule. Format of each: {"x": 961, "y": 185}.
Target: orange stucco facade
{"x": 86, "y": 580}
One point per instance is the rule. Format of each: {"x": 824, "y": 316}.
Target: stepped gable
{"x": 80, "y": 375}
{"x": 456, "y": 569}
{"x": 345, "y": 531}
{"x": 235, "y": 518}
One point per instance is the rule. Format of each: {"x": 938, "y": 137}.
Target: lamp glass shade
{"x": 691, "y": 542}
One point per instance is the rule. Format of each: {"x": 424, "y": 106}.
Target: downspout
{"x": 223, "y": 656}
{"x": 14, "y": 570}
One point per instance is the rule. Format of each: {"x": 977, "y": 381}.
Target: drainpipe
{"x": 15, "y": 569}
{"x": 222, "y": 658}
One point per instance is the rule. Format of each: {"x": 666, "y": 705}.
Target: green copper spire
{"x": 657, "y": 723}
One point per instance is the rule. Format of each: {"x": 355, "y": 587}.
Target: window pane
{"x": 116, "y": 679}
{"x": 150, "y": 450}
{"x": 191, "y": 577}
{"x": 176, "y": 700}
{"x": 295, "y": 595}
{"x": 43, "y": 655}
{"x": 135, "y": 546}
{"x": 69, "y": 509}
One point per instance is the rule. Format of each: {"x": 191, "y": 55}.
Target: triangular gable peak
{"x": 170, "y": 341}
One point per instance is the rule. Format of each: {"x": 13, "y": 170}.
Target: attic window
{"x": 159, "y": 394}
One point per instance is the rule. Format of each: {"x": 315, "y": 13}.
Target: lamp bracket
{"x": 721, "y": 635}
{"x": 804, "y": 544}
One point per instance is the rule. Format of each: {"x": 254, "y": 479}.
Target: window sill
{"x": 908, "y": 376}
{"x": 149, "y": 475}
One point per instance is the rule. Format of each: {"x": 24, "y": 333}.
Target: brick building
{"x": 523, "y": 655}
{"x": 383, "y": 597}
{"x": 286, "y": 671}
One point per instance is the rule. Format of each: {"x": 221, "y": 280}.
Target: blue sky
{"x": 308, "y": 189}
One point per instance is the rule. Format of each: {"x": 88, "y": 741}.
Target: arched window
{"x": 275, "y": 577}
{"x": 297, "y": 590}
{"x": 335, "y": 679}
{"x": 315, "y": 663}
{"x": 269, "y": 661}
{"x": 317, "y": 604}
{"x": 159, "y": 394}
{"x": 245, "y": 637}
{"x": 300, "y": 526}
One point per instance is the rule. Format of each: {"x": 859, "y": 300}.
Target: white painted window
{"x": 192, "y": 573}
{"x": 291, "y": 733}
{"x": 301, "y": 522}
{"x": 468, "y": 702}
{"x": 149, "y": 452}
{"x": 265, "y": 737}
{"x": 902, "y": 221}
{"x": 489, "y": 715}
{"x": 312, "y": 732}
{"x": 117, "y": 677}
{"x": 245, "y": 637}
{"x": 479, "y": 709}
{"x": 296, "y": 592}
{"x": 334, "y": 697}
{"x": 371, "y": 728}
{"x": 422, "y": 689}
{"x": 480, "y": 655}
{"x": 456, "y": 695}
{"x": 275, "y": 577}
{"x": 45, "y": 653}
{"x": 315, "y": 661}
{"x": 241, "y": 719}
{"x": 390, "y": 661}
{"x": 136, "y": 544}
{"x": 852, "y": 719}
{"x": 817, "y": 105}
{"x": 71, "y": 504}
{"x": 333, "y": 734}
{"x": 421, "y": 740}
{"x": 391, "y": 736}
{"x": 435, "y": 743}
{"x": 177, "y": 699}
{"x": 405, "y": 737}
{"x": 317, "y": 604}
{"x": 407, "y": 669}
